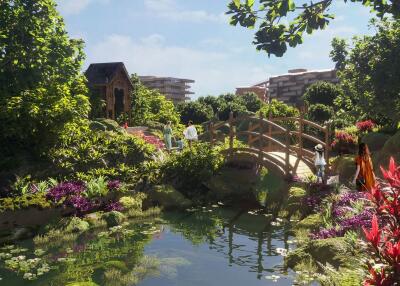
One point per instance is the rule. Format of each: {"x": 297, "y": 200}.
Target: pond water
{"x": 209, "y": 246}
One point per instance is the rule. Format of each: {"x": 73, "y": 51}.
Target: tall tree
{"x": 42, "y": 90}
{"x": 274, "y": 35}
{"x": 371, "y": 76}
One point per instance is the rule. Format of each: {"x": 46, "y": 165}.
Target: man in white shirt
{"x": 190, "y": 133}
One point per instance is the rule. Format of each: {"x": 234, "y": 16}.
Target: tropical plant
{"x": 195, "y": 111}
{"x": 384, "y": 235}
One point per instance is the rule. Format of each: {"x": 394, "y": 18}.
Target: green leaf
{"x": 249, "y": 3}
{"x": 237, "y": 3}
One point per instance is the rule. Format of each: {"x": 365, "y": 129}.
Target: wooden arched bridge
{"x": 286, "y": 144}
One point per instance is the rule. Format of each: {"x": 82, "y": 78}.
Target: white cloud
{"x": 170, "y": 10}
{"x": 73, "y": 7}
{"x": 214, "y": 72}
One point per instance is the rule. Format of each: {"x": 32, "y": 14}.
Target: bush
{"x": 321, "y": 92}
{"x": 113, "y": 218}
{"x": 189, "y": 169}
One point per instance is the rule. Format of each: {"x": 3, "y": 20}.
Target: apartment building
{"x": 175, "y": 89}
{"x": 289, "y": 87}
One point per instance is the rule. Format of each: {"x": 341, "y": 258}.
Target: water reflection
{"x": 244, "y": 239}
{"x": 207, "y": 246}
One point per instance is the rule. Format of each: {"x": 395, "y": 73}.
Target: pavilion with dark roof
{"x": 111, "y": 82}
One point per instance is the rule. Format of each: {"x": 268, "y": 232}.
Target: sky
{"x": 193, "y": 39}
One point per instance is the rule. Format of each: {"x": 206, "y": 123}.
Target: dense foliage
{"x": 188, "y": 170}
{"x": 219, "y": 108}
{"x": 370, "y": 77}
{"x": 283, "y": 23}
{"x": 150, "y": 105}
{"x": 42, "y": 89}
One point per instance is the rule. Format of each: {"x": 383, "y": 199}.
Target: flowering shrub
{"x": 344, "y": 141}
{"x": 384, "y": 240}
{"x": 345, "y": 216}
{"x": 365, "y": 126}
{"x": 114, "y": 206}
{"x": 74, "y": 194}
{"x": 151, "y": 139}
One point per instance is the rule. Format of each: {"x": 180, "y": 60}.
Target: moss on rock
{"x": 73, "y": 224}
{"x": 168, "y": 197}
{"x": 311, "y": 222}
{"x": 294, "y": 202}
{"x": 133, "y": 202}
{"x": 113, "y": 218}
{"x": 330, "y": 250}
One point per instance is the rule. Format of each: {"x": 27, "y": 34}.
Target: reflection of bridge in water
{"x": 285, "y": 144}
{"x": 243, "y": 239}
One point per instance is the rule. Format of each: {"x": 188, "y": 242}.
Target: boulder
{"x": 113, "y": 218}
{"x": 345, "y": 167}
{"x": 233, "y": 184}
{"x": 168, "y": 197}
{"x": 74, "y": 224}
{"x": 390, "y": 149}
{"x": 330, "y": 250}
{"x": 375, "y": 140}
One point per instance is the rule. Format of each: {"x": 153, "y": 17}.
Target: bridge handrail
{"x": 263, "y": 136}
{"x": 309, "y": 137}
{"x": 260, "y": 119}
{"x": 305, "y": 121}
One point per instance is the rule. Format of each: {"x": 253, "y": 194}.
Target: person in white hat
{"x": 319, "y": 162}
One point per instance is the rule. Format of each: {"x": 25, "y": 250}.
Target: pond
{"x": 208, "y": 246}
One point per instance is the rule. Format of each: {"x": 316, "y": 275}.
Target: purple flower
{"x": 79, "y": 203}
{"x": 114, "y": 206}
{"x": 327, "y": 233}
{"x": 114, "y": 185}
{"x": 64, "y": 190}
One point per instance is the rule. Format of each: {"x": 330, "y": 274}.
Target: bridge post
{"x": 249, "y": 137}
{"x": 327, "y": 144}
{"x": 287, "y": 153}
{"x": 269, "y": 131}
{"x": 211, "y": 127}
{"x": 231, "y": 132}
{"x": 260, "y": 139}
{"x": 301, "y": 124}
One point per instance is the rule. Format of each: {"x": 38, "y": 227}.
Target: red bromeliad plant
{"x": 365, "y": 126}
{"x": 385, "y": 240}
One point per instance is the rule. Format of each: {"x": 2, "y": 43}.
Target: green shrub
{"x": 37, "y": 200}
{"x": 96, "y": 187}
{"x": 168, "y": 197}
{"x": 133, "y": 202}
{"x": 113, "y": 218}
{"x": 189, "y": 169}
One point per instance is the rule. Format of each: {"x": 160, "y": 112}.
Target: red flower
{"x": 378, "y": 279}
{"x": 392, "y": 252}
{"x": 374, "y": 235}
{"x": 365, "y": 125}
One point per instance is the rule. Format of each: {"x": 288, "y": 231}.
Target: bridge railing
{"x": 271, "y": 136}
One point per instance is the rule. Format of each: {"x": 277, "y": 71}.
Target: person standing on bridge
{"x": 190, "y": 133}
{"x": 320, "y": 163}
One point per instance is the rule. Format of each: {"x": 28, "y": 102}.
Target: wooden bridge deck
{"x": 300, "y": 167}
